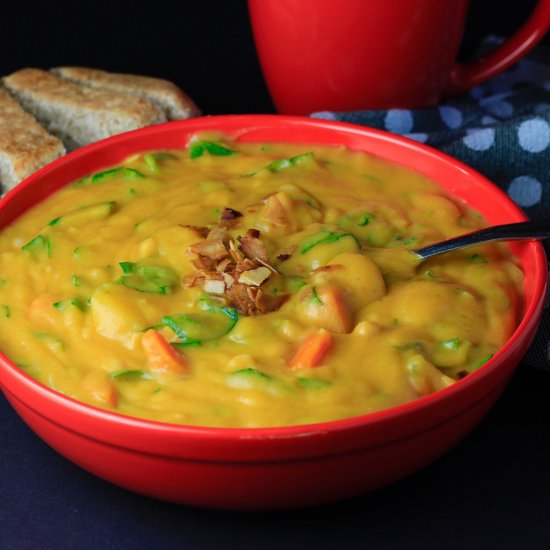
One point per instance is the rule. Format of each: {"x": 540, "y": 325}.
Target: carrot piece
{"x": 161, "y": 355}
{"x": 326, "y": 308}
{"x": 100, "y": 388}
{"x": 336, "y": 314}
{"x": 41, "y": 309}
{"x": 311, "y": 350}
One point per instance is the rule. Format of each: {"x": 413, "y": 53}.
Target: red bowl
{"x": 273, "y": 468}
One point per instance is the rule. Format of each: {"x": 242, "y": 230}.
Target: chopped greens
{"x": 179, "y": 345}
{"x": 482, "y": 362}
{"x": 132, "y": 174}
{"x": 198, "y": 148}
{"x": 295, "y": 282}
{"x": 148, "y": 278}
{"x": 212, "y": 323}
{"x": 131, "y": 374}
{"x": 280, "y": 164}
{"x": 101, "y": 176}
{"x": 352, "y": 221}
{"x": 38, "y": 246}
{"x": 250, "y": 372}
{"x": 313, "y": 383}
{"x": 325, "y": 237}
{"x": 376, "y": 230}
{"x": 477, "y": 259}
{"x": 126, "y": 172}
{"x": 314, "y": 297}
{"x": 85, "y": 214}
{"x": 73, "y": 302}
{"x": 151, "y": 163}
{"x": 208, "y": 304}
{"x": 451, "y": 344}
{"x": 248, "y": 378}
{"x": 428, "y": 274}
{"x": 364, "y": 219}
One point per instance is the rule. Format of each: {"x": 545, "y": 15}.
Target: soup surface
{"x": 249, "y": 285}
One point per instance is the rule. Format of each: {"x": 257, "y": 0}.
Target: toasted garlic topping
{"x": 213, "y": 286}
{"x": 255, "y": 276}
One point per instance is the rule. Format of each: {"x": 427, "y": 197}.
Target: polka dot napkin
{"x": 502, "y": 129}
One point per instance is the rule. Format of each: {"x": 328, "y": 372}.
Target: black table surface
{"x": 491, "y": 491}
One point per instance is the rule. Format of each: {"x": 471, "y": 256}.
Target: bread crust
{"x": 45, "y": 113}
{"x": 25, "y": 146}
{"x": 79, "y": 115}
{"x": 165, "y": 94}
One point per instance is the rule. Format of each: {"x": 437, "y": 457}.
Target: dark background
{"x": 204, "y": 46}
{"x": 491, "y": 491}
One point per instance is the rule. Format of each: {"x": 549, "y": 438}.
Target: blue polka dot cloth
{"x": 500, "y": 128}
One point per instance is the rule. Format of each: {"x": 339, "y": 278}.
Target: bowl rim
{"x": 249, "y": 126}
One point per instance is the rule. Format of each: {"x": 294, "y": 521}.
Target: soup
{"x": 248, "y": 285}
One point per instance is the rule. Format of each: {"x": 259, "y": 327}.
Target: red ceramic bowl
{"x": 271, "y": 468}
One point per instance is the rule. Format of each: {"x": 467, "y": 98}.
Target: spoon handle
{"x": 536, "y": 229}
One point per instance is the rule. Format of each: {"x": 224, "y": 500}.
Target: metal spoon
{"x": 537, "y": 229}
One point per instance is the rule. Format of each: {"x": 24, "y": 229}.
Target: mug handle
{"x": 467, "y": 75}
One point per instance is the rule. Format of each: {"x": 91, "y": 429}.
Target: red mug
{"x": 345, "y": 55}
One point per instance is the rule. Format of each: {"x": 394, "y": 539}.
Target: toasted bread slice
{"x": 175, "y": 104}
{"x": 79, "y": 115}
{"x": 24, "y": 145}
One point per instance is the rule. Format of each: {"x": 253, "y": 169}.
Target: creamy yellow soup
{"x": 249, "y": 285}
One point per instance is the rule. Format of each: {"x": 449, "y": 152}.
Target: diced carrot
{"x": 338, "y": 316}
{"x": 161, "y": 355}
{"x": 100, "y": 388}
{"x": 327, "y": 308}
{"x": 41, "y": 309}
{"x": 311, "y": 350}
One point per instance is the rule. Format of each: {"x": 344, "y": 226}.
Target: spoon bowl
{"x": 535, "y": 229}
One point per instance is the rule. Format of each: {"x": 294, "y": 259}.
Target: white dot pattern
{"x": 399, "y": 121}
{"x": 525, "y": 190}
{"x": 480, "y": 139}
{"x": 534, "y": 135}
{"x": 451, "y": 116}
